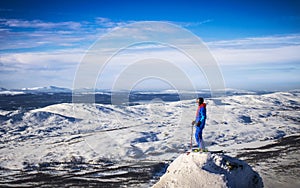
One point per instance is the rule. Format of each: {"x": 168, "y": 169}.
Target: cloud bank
{"x": 49, "y": 49}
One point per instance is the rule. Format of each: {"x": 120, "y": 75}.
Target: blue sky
{"x": 256, "y": 43}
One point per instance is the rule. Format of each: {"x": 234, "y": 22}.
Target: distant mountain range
{"x": 52, "y": 89}
{"x": 55, "y": 89}
{"x": 34, "y": 90}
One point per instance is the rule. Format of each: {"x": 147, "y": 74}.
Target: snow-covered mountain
{"x": 84, "y": 139}
{"x": 34, "y": 90}
{"x": 49, "y": 89}
{"x": 8, "y": 92}
{"x": 55, "y": 89}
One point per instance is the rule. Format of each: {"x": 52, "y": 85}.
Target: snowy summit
{"x": 209, "y": 170}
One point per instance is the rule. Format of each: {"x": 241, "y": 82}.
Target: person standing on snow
{"x": 200, "y": 122}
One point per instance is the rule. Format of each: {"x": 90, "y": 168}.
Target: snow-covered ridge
{"x": 148, "y": 132}
{"x": 209, "y": 170}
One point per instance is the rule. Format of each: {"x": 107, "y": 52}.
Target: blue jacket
{"x": 201, "y": 113}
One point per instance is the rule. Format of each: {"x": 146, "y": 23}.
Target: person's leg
{"x": 197, "y": 136}
{"x": 200, "y": 143}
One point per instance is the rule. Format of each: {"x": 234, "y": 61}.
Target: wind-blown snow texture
{"x": 209, "y": 170}
{"x": 115, "y": 145}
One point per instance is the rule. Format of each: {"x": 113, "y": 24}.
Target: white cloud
{"x": 193, "y": 24}
{"x": 257, "y": 56}
{"x": 105, "y": 22}
{"x": 38, "y": 24}
{"x": 32, "y": 69}
{"x": 27, "y": 41}
{"x": 258, "y": 42}
{"x": 37, "y": 56}
{"x": 250, "y": 51}
{"x": 41, "y": 38}
{"x": 242, "y": 54}
{"x": 27, "y": 34}
{"x": 108, "y": 23}
{"x": 74, "y": 37}
{"x": 64, "y": 34}
{"x": 41, "y": 60}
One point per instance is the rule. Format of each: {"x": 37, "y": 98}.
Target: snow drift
{"x": 209, "y": 170}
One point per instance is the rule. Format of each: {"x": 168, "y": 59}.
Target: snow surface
{"x": 157, "y": 131}
{"x": 11, "y": 92}
{"x": 209, "y": 170}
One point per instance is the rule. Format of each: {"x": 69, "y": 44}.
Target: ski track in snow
{"x": 85, "y": 138}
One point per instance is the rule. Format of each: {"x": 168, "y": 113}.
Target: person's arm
{"x": 202, "y": 114}
{"x": 197, "y": 117}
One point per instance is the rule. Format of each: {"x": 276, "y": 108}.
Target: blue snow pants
{"x": 198, "y": 135}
